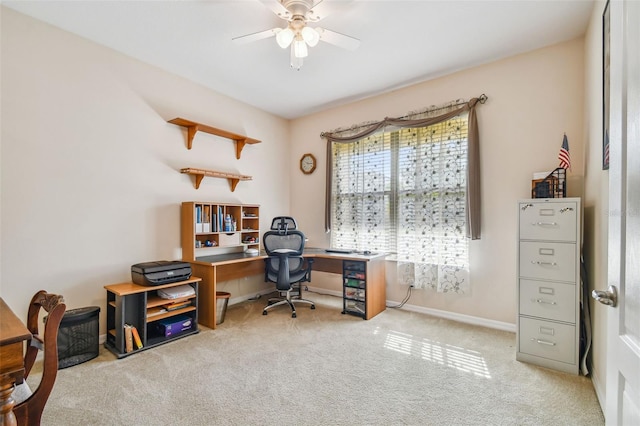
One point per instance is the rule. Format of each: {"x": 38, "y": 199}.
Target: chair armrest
{"x": 283, "y": 256}
{"x": 309, "y": 269}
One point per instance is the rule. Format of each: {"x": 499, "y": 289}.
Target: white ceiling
{"x": 402, "y": 42}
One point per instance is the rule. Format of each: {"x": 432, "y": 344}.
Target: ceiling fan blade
{"x": 338, "y": 39}
{"x": 249, "y": 38}
{"x": 278, "y": 8}
{"x": 320, "y": 10}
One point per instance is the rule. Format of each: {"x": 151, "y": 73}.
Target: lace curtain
{"x": 431, "y": 202}
{"x": 360, "y": 194}
{"x": 432, "y": 248}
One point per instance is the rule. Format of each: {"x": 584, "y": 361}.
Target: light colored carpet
{"x": 323, "y": 368}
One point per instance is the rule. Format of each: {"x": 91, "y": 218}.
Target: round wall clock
{"x": 308, "y": 164}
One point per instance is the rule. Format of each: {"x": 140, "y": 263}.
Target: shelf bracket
{"x": 198, "y": 179}
{"x": 191, "y": 133}
{"x": 239, "y": 146}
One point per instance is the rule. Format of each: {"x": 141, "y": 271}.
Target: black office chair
{"x": 285, "y": 266}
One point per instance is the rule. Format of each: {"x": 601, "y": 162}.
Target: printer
{"x": 160, "y": 272}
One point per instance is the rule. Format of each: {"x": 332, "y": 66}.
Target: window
{"x": 403, "y": 192}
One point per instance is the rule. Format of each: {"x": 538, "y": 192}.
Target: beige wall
{"x": 90, "y": 181}
{"x": 534, "y": 99}
{"x": 90, "y": 168}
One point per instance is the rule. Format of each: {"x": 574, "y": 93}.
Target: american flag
{"x": 563, "y": 155}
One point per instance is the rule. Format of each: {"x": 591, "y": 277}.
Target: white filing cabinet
{"x": 549, "y": 283}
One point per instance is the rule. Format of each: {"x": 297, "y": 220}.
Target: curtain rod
{"x": 482, "y": 99}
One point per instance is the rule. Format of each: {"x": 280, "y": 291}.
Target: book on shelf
{"x": 152, "y": 312}
{"x": 206, "y": 219}
{"x": 177, "y": 305}
{"x": 203, "y": 218}
{"x": 128, "y": 338}
{"x": 136, "y": 337}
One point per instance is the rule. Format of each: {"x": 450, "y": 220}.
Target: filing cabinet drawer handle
{"x": 543, "y": 342}
{"x": 544, "y": 301}
{"x": 537, "y": 262}
{"x": 544, "y": 223}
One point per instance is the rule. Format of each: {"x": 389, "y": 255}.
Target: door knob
{"x": 609, "y": 297}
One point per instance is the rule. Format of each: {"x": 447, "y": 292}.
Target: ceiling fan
{"x": 298, "y": 13}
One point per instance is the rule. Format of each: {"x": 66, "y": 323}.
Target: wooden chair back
{"x": 29, "y": 411}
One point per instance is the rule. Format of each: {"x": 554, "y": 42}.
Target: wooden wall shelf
{"x": 199, "y": 174}
{"x": 193, "y": 127}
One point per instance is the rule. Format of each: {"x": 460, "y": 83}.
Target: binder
{"x": 128, "y": 338}
{"x": 136, "y": 337}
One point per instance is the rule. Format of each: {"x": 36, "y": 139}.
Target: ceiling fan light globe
{"x": 300, "y": 49}
{"x": 285, "y": 37}
{"x": 295, "y": 61}
{"x": 310, "y": 36}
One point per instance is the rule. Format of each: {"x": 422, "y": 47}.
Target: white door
{"x": 623, "y": 345}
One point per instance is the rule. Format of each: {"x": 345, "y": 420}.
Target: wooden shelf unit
{"x": 195, "y": 127}
{"x": 198, "y": 225}
{"x": 133, "y": 304}
{"x": 199, "y": 174}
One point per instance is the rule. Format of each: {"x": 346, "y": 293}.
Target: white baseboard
{"x": 325, "y": 291}
{"x": 598, "y": 386}
{"x": 235, "y": 300}
{"x": 467, "y": 319}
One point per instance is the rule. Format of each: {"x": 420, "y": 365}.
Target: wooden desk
{"x": 13, "y": 333}
{"x": 224, "y": 267}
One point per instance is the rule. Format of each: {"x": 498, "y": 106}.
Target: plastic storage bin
{"x": 222, "y": 300}
{"x": 78, "y": 336}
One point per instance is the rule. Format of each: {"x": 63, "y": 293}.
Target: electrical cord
{"x": 405, "y": 300}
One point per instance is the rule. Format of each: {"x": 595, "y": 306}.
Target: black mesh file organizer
{"x": 554, "y": 185}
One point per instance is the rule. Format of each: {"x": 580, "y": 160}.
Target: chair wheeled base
{"x": 287, "y": 301}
